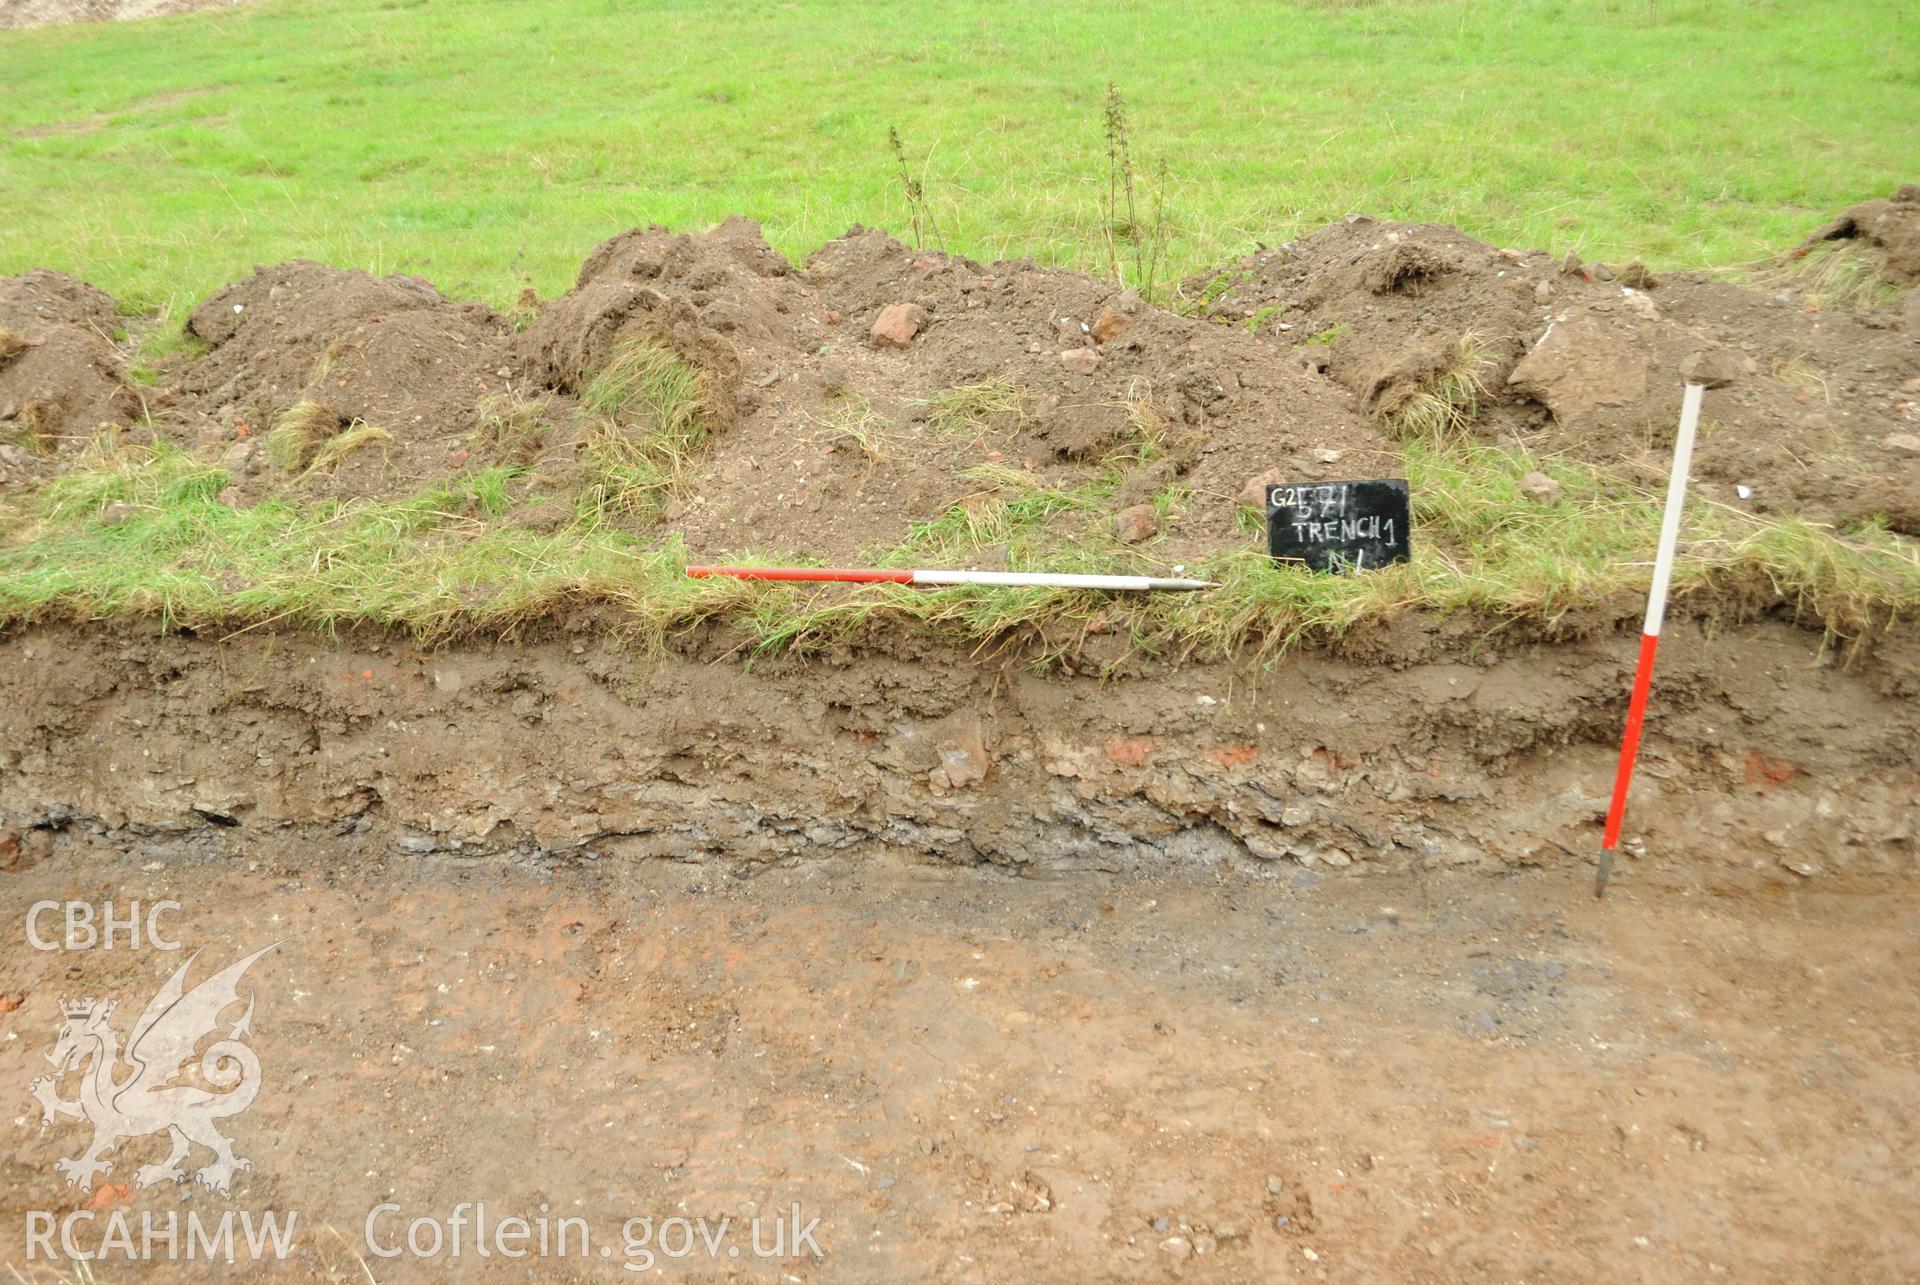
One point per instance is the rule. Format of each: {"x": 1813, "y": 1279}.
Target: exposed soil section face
{"x": 1394, "y": 752}
{"x": 1589, "y": 360}
{"x": 1437, "y": 1078}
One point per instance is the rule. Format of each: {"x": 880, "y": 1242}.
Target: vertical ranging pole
{"x": 1650, "y": 633}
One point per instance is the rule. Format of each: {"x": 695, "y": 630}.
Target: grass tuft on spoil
{"x": 512, "y": 427}
{"x": 1331, "y": 335}
{"x": 30, "y": 429}
{"x": 296, "y": 436}
{"x": 1800, "y": 373}
{"x": 165, "y": 342}
{"x": 1452, "y": 401}
{"x": 356, "y": 436}
{"x": 647, "y": 382}
{"x": 1843, "y": 274}
{"x": 655, "y": 410}
{"x": 621, "y": 475}
{"x": 991, "y": 406}
{"x": 1013, "y": 518}
{"x": 855, "y": 425}
{"x": 155, "y": 477}
{"x": 1147, "y": 425}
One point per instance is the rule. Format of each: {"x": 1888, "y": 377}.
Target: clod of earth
{"x": 1136, "y": 525}
{"x": 1538, "y": 486}
{"x": 897, "y": 324}
{"x": 1716, "y": 368}
{"x": 1110, "y": 325}
{"x": 1253, "y": 492}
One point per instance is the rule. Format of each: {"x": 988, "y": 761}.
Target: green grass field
{"x": 488, "y": 146}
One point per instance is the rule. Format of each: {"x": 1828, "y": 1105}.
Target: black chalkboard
{"x": 1340, "y": 526}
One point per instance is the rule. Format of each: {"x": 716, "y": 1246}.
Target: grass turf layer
{"x": 487, "y": 146}
{"x": 143, "y": 532}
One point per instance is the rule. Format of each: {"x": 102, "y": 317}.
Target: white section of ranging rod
{"x": 1053, "y": 580}
{"x": 1670, "y": 515}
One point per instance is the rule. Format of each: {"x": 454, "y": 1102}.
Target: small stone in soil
{"x": 1253, "y": 494}
{"x": 1137, "y": 524}
{"x": 1540, "y": 488}
{"x": 1110, "y": 325}
{"x": 1715, "y": 368}
{"x": 897, "y": 324}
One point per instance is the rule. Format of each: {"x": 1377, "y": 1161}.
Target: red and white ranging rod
{"x": 1650, "y": 632}
{"x": 921, "y": 576}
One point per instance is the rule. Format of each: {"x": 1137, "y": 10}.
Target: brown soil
{"x": 1403, "y": 748}
{"x": 60, "y": 371}
{"x": 385, "y": 351}
{"x": 1588, "y": 360}
{"x": 1490, "y": 750}
{"x": 792, "y": 353}
{"x": 1231, "y": 1078}
{"x": 1890, "y": 226}
{"x": 787, "y": 352}
{"x": 1578, "y": 362}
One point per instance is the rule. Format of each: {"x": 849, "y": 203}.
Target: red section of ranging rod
{"x": 843, "y": 574}
{"x": 1630, "y": 742}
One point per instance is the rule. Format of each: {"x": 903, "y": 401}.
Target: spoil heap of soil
{"x": 1588, "y": 360}
{"x": 59, "y": 368}
{"x": 389, "y": 352}
{"x": 833, "y": 444}
{"x": 1892, "y": 227}
{"x": 823, "y": 441}
{"x": 858, "y": 395}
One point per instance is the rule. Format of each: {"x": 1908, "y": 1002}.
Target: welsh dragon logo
{"x": 132, "y": 1094}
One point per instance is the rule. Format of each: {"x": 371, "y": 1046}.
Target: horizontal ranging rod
{"x": 1022, "y": 579}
